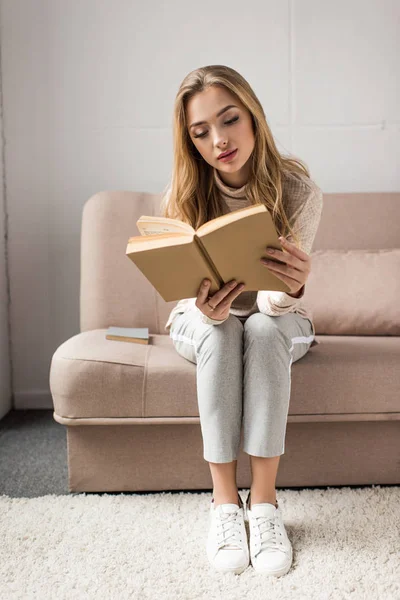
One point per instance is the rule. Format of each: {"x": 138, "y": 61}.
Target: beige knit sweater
{"x": 302, "y": 200}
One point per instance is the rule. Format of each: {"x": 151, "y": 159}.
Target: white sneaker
{"x": 227, "y": 546}
{"x": 270, "y": 548}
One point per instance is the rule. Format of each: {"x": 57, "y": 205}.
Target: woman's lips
{"x": 228, "y": 157}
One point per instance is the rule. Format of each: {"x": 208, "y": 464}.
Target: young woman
{"x": 243, "y": 342}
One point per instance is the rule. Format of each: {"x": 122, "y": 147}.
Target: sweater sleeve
{"x": 275, "y": 303}
{"x": 210, "y": 321}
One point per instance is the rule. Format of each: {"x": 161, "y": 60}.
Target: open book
{"x": 175, "y": 258}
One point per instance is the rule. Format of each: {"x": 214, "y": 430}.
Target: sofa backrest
{"x": 114, "y": 292}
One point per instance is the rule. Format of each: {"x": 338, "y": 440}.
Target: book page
{"x": 230, "y": 217}
{"x": 157, "y": 225}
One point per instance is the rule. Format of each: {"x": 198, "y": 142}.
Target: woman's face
{"x": 231, "y": 130}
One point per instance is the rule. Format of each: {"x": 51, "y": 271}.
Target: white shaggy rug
{"x": 116, "y": 546}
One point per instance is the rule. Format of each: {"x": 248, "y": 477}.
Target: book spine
{"x": 208, "y": 260}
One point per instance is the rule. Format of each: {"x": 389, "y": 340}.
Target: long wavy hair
{"x": 192, "y": 195}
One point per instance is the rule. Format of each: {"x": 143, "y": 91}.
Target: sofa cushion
{"x": 355, "y": 292}
{"x": 96, "y": 380}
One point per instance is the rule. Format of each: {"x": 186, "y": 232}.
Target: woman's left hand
{"x": 296, "y": 270}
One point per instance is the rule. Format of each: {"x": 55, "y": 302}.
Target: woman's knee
{"x": 229, "y": 330}
{"x": 265, "y": 327}
{"x": 227, "y": 335}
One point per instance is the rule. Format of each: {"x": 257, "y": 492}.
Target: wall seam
{"x": 291, "y": 90}
{"x": 6, "y": 229}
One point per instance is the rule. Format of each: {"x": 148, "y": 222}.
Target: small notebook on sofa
{"x": 175, "y": 258}
{"x": 137, "y": 335}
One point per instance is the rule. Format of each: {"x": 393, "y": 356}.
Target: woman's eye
{"x": 226, "y": 123}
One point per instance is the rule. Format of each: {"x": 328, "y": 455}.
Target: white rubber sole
{"x": 277, "y": 572}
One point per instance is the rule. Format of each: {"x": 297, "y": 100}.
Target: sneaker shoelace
{"x": 268, "y": 534}
{"x": 230, "y": 526}
{"x": 268, "y": 530}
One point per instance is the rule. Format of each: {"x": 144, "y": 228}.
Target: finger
{"x": 204, "y": 288}
{"x": 231, "y": 296}
{"x": 293, "y": 249}
{"x": 291, "y": 272}
{"x": 231, "y": 293}
{"x": 285, "y": 257}
{"x": 289, "y": 279}
{"x": 239, "y": 288}
{"x": 227, "y": 289}
{"x": 286, "y": 269}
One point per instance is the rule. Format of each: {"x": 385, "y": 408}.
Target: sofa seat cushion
{"x": 95, "y": 380}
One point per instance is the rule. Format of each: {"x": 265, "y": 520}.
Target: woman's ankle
{"x": 227, "y": 498}
{"x": 268, "y": 499}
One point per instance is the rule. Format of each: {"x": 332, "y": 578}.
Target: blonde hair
{"x": 192, "y": 195}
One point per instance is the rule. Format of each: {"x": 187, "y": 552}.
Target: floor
{"x": 33, "y": 455}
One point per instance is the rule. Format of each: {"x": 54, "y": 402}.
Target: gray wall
{"x": 88, "y": 89}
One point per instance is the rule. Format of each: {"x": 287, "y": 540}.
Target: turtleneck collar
{"x": 232, "y": 192}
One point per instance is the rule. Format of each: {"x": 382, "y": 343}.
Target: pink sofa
{"x": 131, "y": 410}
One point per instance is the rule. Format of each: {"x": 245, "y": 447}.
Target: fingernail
{"x": 205, "y": 283}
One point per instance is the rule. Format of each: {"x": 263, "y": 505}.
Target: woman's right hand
{"x": 221, "y": 301}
